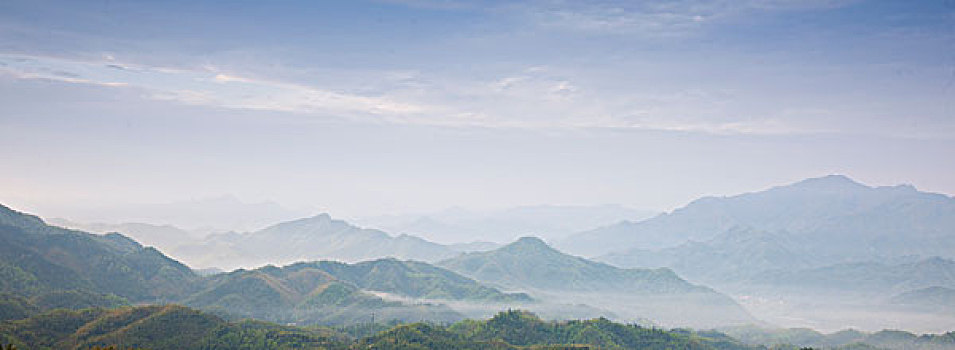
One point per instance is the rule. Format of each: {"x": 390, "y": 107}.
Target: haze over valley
{"x": 461, "y": 174}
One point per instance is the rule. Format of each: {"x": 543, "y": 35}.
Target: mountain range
{"x": 836, "y": 217}
{"x": 530, "y": 265}
{"x": 202, "y": 215}
{"x": 822, "y": 252}
{"x": 315, "y": 238}
{"x": 177, "y": 327}
{"x": 854, "y": 249}
{"x": 550, "y": 222}
{"x": 41, "y": 263}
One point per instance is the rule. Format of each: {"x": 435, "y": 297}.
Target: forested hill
{"x": 530, "y": 265}
{"x": 36, "y": 258}
{"x": 176, "y": 327}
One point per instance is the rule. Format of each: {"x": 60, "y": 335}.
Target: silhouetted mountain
{"x": 315, "y": 238}
{"x": 456, "y": 225}
{"x": 531, "y": 265}
{"x": 931, "y": 299}
{"x": 869, "y": 277}
{"x": 211, "y": 214}
{"x": 733, "y": 255}
{"x": 832, "y": 217}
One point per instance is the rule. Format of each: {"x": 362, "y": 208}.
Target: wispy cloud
{"x": 205, "y": 87}
{"x": 536, "y": 97}
{"x": 654, "y": 18}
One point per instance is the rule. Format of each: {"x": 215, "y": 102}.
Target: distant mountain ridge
{"x": 736, "y": 254}
{"x": 550, "y": 222}
{"x": 932, "y": 299}
{"x": 874, "y": 277}
{"x": 792, "y": 251}
{"x": 841, "y": 217}
{"x": 315, "y": 238}
{"x": 530, "y": 263}
{"x": 209, "y": 214}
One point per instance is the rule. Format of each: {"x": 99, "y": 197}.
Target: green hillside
{"x": 304, "y": 294}
{"x": 523, "y": 330}
{"x": 158, "y": 327}
{"x": 411, "y": 279}
{"x": 177, "y": 327}
{"x": 803, "y": 337}
{"x": 36, "y": 258}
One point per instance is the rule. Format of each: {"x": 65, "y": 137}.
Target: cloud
{"x": 654, "y": 19}
{"x": 534, "y": 97}
{"x": 206, "y": 87}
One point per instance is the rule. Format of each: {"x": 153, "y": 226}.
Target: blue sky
{"x": 367, "y": 107}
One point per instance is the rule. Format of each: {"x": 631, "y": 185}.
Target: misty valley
{"x": 477, "y": 174}
{"x": 825, "y": 262}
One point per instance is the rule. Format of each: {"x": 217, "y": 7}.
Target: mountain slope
{"x": 932, "y": 299}
{"x": 411, "y": 279}
{"x": 333, "y": 292}
{"x": 166, "y": 238}
{"x": 872, "y": 277}
{"x": 850, "y": 338}
{"x": 157, "y": 327}
{"x": 177, "y": 327}
{"x": 316, "y": 238}
{"x": 733, "y": 255}
{"x": 844, "y": 218}
{"x": 522, "y": 330}
{"x": 531, "y": 265}
{"x": 36, "y": 258}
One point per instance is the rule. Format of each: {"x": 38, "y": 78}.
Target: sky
{"x": 377, "y": 107}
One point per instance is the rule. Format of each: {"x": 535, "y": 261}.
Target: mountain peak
{"x": 321, "y": 217}
{"x": 320, "y": 220}
{"x": 833, "y": 182}
{"x": 530, "y": 242}
{"x": 317, "y": 219}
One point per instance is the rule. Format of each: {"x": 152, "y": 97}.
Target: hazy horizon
{"x": 375, "y": 107}
{"x": 711, "y": 164}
